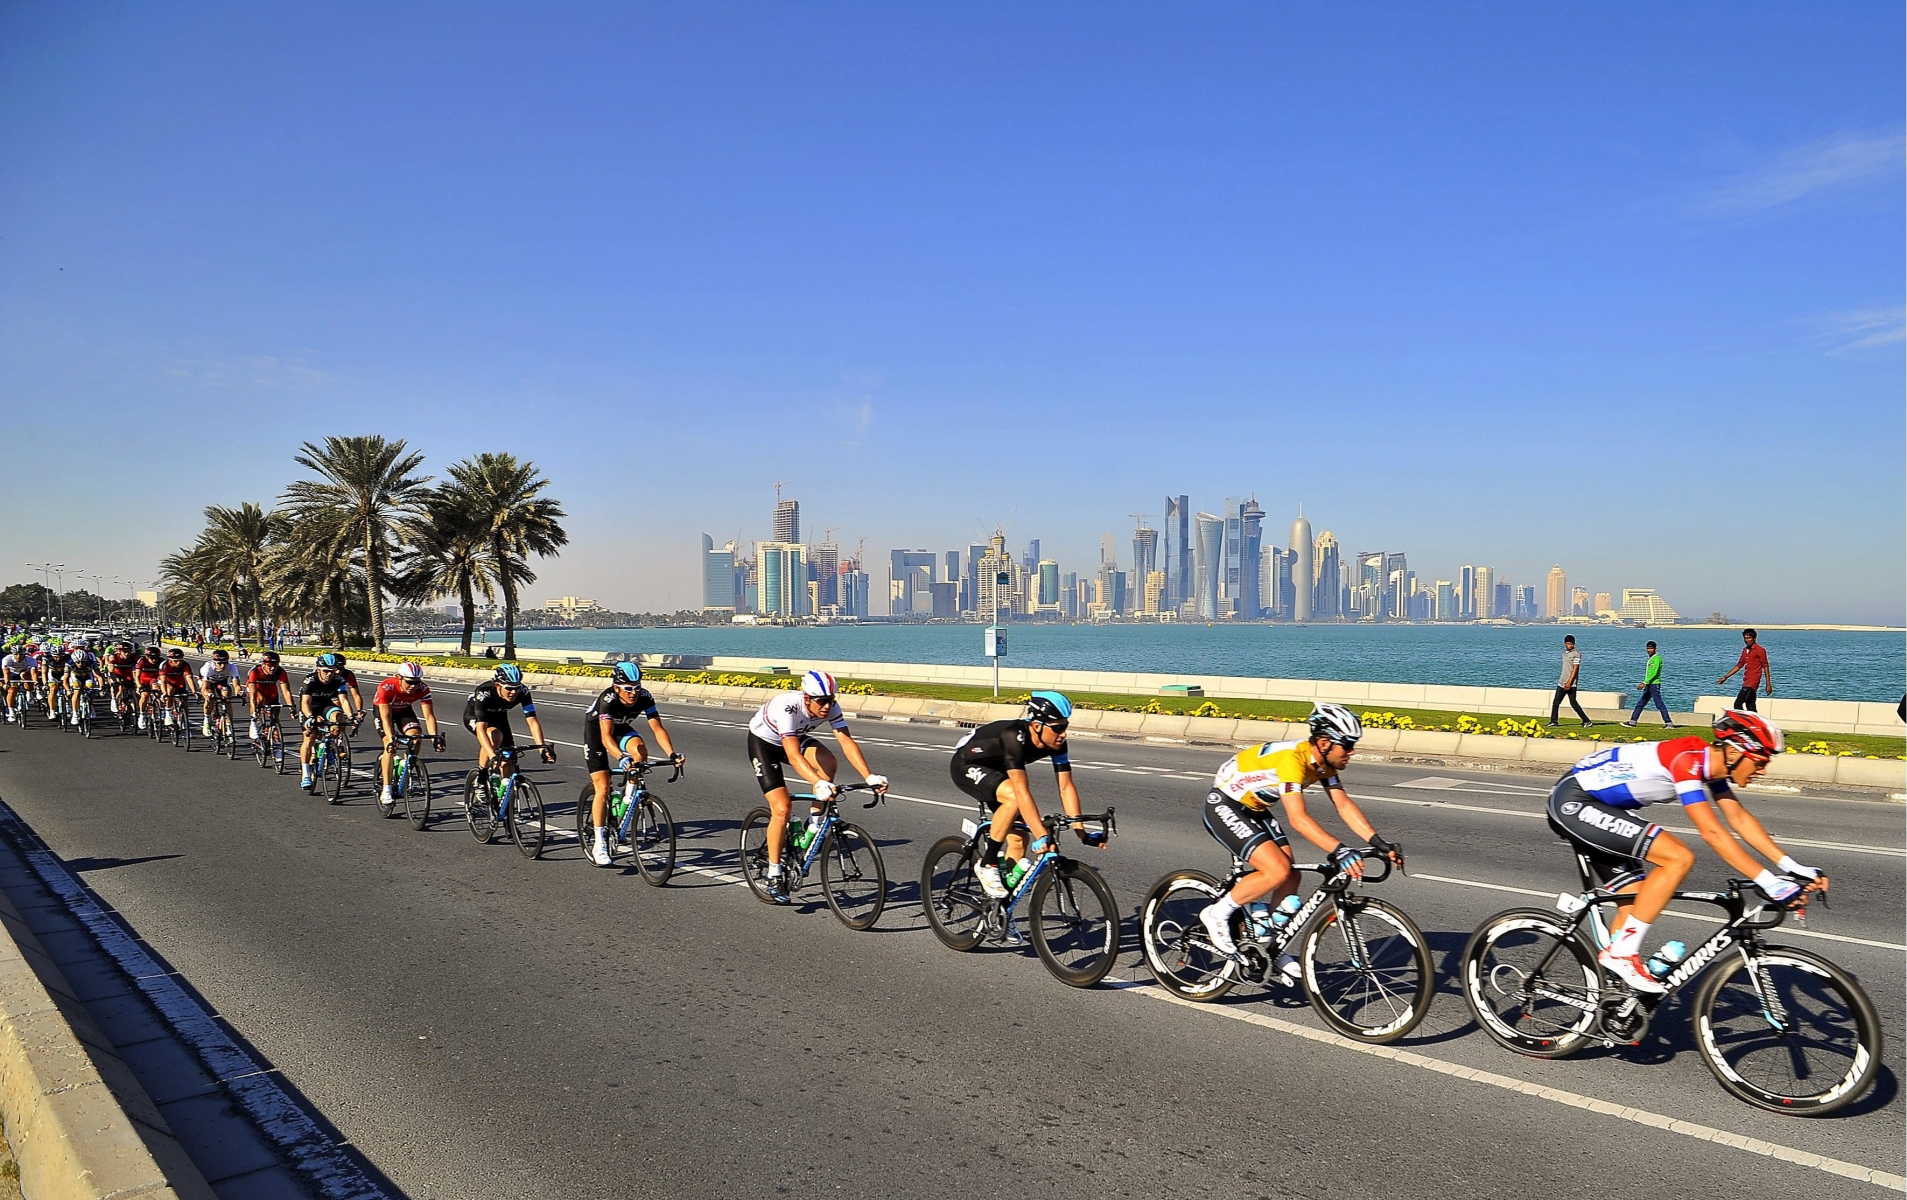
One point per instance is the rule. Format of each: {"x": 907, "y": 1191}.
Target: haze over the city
{"x": 1618, "y": 288}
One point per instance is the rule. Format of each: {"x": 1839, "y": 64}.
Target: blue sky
{"x": 1618, "y": 287}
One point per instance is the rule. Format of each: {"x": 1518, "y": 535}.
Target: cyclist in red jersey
{"x": 146, "y": 672}
{"x": 267, "y": 687}
{"x": 175, "y": 677}
{"x": 120, "y": 661}
{"x": 397, "y": 702}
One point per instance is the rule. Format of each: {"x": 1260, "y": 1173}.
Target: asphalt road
{"x": 478, "y": 1024}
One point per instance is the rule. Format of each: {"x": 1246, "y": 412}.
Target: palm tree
{"x": 366, "y": 491}
{"x": 500, "y": 497}
{"x": 451, "y": 558}
{"x": 196, "y": 583}
{"x": 242, "y": 537}
{"x": 312, "y": 575}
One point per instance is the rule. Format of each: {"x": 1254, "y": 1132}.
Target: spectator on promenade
{"x": 1651, "y": 686}
{"x": 1566, "y": 685}
{"x": 1753, "y": 665}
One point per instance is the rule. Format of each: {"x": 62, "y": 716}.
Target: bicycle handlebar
{"x": 1370, "y": 855}
{"x": 1105, "y": 819}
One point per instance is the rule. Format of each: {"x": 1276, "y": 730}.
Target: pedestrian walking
{"x": 1651, "y": 686}
{"x": 1566, "y": 685}
{"x": 1754, "y": 668}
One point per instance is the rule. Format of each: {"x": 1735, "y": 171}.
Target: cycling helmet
{"x": 1749, "y": 732}
{"x": 340, "y": 659}
{"x": 626, "y": 673}
{"x": 1048, "y": 708}
{"x": 269, "y": 656}
{"x": 1336, "y": 722}
{"x": 508, "y": 673}
{"x": 175, "y": 652}
{"x": 152, "y": 651}
{"x": 409, "y": 672}
{"x": 124, "y": 647}
{"x": 330, "y": 661}
{"x": 220, "y": 656}
{"x": 818, "y": 684}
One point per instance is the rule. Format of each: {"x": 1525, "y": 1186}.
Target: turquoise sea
{"x": 1810, "y": 664}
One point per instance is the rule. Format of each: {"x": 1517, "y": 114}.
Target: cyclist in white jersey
{"x": 216, "y": 677}
{"x": 778, "y": 737}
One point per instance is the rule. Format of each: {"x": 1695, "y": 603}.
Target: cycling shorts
{"x": 980, "y": 782}
{"x": 1613, "y": 838}
{"x": 1242, "y": 830}
{"x": 402, "y": 720}
{"x": 596, "y": 757}
{"x": 501, "y": 736}
{"x": 768, "y": 760}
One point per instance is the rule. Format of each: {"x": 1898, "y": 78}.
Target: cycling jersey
{"x": 175, "y": 671}
{"x": 322, "y": 692}
{"x": 18, "y": 665}
{"x": 218, "y": 672}
{"x": 54, "y": 664}
{"x": 1265, "y": 774}
{"x": 148, "y": 669}
{"x": 488, "y": 706}
{"x": 622, "y": 714}
{"x": 1645, "y": 773}
{"x": 1007, "y": 746}
{"x": 787, "y": 716}
{"x": 82, "y": 665}
{"x": 397, "y": 693}
{"x": 266, "y": 679}
{"x": 121, "y": 664}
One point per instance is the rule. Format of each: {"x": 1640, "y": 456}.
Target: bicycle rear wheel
{"x": 1178, "y": 952}
{"x": 527, "y": 827}
{"x": 952, "y": 896}
{"x": 417, "y": 794}
{"x": 1075, "y": 924}
{"x": 652, "y": 841}
{"x": 1807, "y": 1041}
{"x": 1531, "y": 983}
{"x": 853, "y": 877}
{"x": 585, "y": 818}
{"x": 478, "y": 813}
{"x": 1368, "y": 970}
{"x": 341, "y": 773}
{"x": 754, "y": 848}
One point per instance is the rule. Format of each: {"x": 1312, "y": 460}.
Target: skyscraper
{"x": 970, "y": 594}
{"x": 1108, "y": 550}
{"x": 718, "y": 574}
{"x": 825, "y": 564}
{"x": 1178, "y": 551}
{"x": 1032, "y": 560}
{"x": 1446, "y": 601}
{"x": 1145, "y": 552}
{"x": 1396, "y": 587}
{"x": 788, "y": 521}
{"x": 1327, "y": 602}
{"x": 1579, "y": 602}
{"x": 1467, "y": 593}
{"x": 1048, "y": 592}
{"x": 996, "y": 581}
{"x": 1251, "y": 524}
{"x": 1210, "y": 564}
{"x": 781, "y": 571}
{"x": 1556, "y": 599}
{"x": 910, "y": 575}
{"x": 1303, "y": 569}
{"x": 1483, "y": 601}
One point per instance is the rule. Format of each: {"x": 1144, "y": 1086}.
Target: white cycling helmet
{"x": 1336, "y": 722}
{"x": 818, "y": 684}
{"x": 409, "y": 671}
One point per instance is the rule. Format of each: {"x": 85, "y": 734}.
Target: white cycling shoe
{"x": 1630, "y": 969}
{"x": 990, "y": 881}
{"x": 1218, "y": 930}
{"x": 599, "y": 850}
{"x": 1289, "y": 970}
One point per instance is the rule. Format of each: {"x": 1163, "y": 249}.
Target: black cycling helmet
{"x": 1048, "y": 708}
{"x": 626, "y": 673}
{"x": 330, "y": 661}
{"x": 175, "y": 652}
{"x": 270, "y": 656}
{"x": 508, "y": 673}
{"x": 220, "y": 656}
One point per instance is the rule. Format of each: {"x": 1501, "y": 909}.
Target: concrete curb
{"x": 72, "y": 1135}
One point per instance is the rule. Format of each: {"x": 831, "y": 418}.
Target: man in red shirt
{"x": 1754, "y": 668}
{"x": 398, "y": 702}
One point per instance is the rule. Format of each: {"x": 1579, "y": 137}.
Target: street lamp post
{"x": 46, "y": 571}
{"x": 99, "y": 583}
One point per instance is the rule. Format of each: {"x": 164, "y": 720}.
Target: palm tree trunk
{"x": 469, "y": 601}
{"x": 509, "y": 598}
{"x": 374, "y": 585}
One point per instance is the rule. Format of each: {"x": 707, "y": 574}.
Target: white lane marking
{"x": 1707, "y": 918}
{"x": 298, "y": 1138}
{"x": 1846, "y": 847}
{"x": 1639, "y": 1116}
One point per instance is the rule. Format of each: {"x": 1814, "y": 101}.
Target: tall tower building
{"x": 718, "y": 574}
{"x": 1483, "y": 606}
{"x": 825, "y": 565}
{"x": 1209, "y": 567}
{"x": 1178, "y": 551}
{"x": 1251, "y": 524}
{"x": 1467, "y": 593}
{"x": 1303, "y": 568}
{"x": 1327, "y": 573}
{"x": 1145, "y": 552}
{"x": 788, "y": 521}
{"x": 1556, "y": 601}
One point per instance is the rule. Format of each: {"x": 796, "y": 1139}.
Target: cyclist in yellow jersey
{"x": 1239, "y": 812}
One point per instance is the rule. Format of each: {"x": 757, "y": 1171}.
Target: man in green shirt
{"x": 1651, "y": 686}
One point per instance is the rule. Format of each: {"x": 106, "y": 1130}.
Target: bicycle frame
{"x": 1048, "y": 859}
{"x": 830, "y": 817}
{"x": 635, "y": 791}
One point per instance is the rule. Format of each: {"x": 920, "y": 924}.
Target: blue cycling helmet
{"x": 1048, "y": 708}
{"x": 333, "y": 661}
{"x": 508, "y": 673}
{"x": 626, "y": 672}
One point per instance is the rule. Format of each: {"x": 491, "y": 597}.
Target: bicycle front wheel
{"x": 1178, "y": 952}
{"x": 478, "y": 813}
{"x": 1075, "y": 924}
{"x": 853, "y": 877}
{"x": 527, "y": 828}
{"x": 953, "y": 898}
{"x": 1368, "y": 970}
{"x": 754, "y": 848}
{"x": 417, "y": 794}
{"x": 652, "y": 841}
{"x": 1531, "y": 983}
{"x": 1788, "y": 1031}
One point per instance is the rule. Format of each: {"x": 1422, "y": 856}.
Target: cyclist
{"x": 487, "y": 714}
{"x": 990, "y": 763}
{"x": 323, "y": 702}
{"x": 53, "y": 659}
{"x": 609, "y": 722}
{"x": 351, "y": 682}
{"x": 120, "y": 661}
{"x": 1594, "y": 808}
{"x": 778, "y": 737}
{"x": 266, "y": 689}
{"x": 146, "y": 671}
{"x": 175, "y": 679}
{"x": 17, "y": 670}
{"x": 82, "y": 672}
{"x": 396, "y": 702}
{"x": 1239, "y": 814}
{"x": 218, "y": 678}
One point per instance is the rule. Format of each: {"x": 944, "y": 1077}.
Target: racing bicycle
{"x": 268, "y": 748}
{"x": 1075, "y": 918}
{"x": 1782, "y": 1029}
{"x": 853, "y": 877}
{"x": 492, "y": 795}
{"x": 639, "y": 822}
{"x": 331, "y": 763}
{"x": 410, "y": 780}
{"x": 1366, "y": 966}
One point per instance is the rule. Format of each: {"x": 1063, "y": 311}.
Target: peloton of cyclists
{"x": 779, "y": 737}
{"x": 609, "y": 724}
{"x": 990, "y": 763}
{"x": 1596, "y": 809}
{"x": 399, "y": 702}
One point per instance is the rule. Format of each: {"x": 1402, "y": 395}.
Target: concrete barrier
{"x": 1818, "y": 716}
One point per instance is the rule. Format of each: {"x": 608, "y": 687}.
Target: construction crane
{"x": 827, "y": 535}
{"x": 1138, "y": 520}
{"x": 779, "y": 484}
